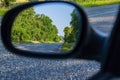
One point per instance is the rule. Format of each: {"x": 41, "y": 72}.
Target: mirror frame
{"x": 10, "y": 16}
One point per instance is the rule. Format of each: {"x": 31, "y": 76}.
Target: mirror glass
{"x": 48, "y": 27}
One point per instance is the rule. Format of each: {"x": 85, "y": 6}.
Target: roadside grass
{"x": 67, "y": 46}
{"x": 27, "y": 42}
{"x": 33, "y": 42}
{"x": 92, "y": 3}
{"x": 3, "y": 11}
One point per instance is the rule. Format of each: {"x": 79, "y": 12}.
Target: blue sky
{"x": 59, "y": 13}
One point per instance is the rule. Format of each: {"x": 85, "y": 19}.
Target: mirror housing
{"x": 8, "y": 21}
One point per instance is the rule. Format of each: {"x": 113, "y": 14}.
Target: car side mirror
{"x": 51, "y": 29}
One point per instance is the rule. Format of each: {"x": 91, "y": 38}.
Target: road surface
{"x": 102, "y": 18}
{"x": 42, "y": 47}
{"x": 13, "y": 67}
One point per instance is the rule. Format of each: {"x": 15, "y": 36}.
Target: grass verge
{"x": 3, "y": 11}
{"x": 98, "y": 3}
{"x": 67, "y": 46}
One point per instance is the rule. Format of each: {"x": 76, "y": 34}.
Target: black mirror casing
{"x": 10, "y": 16}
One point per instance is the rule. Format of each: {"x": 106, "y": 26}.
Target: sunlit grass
{"x": 92, "y": 3}
{"x": 67, "y": 46}
{"x": 27, "y": 42}
{"x": 3, "y": 11}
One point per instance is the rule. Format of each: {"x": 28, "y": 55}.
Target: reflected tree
{"x": 30, "y": 26}
{"x": 72, "y": 32}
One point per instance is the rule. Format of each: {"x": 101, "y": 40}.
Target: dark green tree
{"x": 67, "y": 31}
{"x": 76, "y": 25}
{"x": 71, "y": 33}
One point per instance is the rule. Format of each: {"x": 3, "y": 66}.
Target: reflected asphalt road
{"x": 43, "y": 47}
{"x": 13, "y": 67}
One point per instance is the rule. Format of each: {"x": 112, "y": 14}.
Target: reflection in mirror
{"x": 50, "y": 27}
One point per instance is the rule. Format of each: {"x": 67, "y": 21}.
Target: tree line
{"x": 72, "y": 32}
{"x": 29, "y": 26}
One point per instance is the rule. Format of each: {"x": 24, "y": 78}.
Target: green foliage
{"x": 67, "y": 46}
{"x": 72, "y": 33}
{"x": 3, "y": 11}
{"x": 76, "y": 26}
{"x": 67, "y": 31}
{"x": 30, "y": 26}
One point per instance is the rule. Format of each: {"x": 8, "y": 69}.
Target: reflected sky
{"x": 60, "y": 14}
